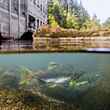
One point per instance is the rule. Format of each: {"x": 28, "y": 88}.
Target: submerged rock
{"x": 52, "y": 65}
{"x": 76, "y": 85}
{"x": 9, "y": 81}
{"x": 61, "y": 84}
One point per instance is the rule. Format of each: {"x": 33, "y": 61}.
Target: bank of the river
{"x": 88, "y": 50}
{"x": 58, "y": 39}
{"x": 40, "y": 51}
{"x": 70, "y": 44}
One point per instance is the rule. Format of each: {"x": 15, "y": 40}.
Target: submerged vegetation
{"x": 59, "y": 83}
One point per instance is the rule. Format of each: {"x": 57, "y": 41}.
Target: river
{"x": 85, "y": 77}
{"x": 82, "y": 79}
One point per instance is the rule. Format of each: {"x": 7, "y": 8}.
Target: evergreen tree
{"x": 107, "y": 23}
{"x": 92, "y": 24}
{"x": 67, "y": 14}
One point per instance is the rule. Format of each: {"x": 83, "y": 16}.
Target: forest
{"x": 73, "y": 15}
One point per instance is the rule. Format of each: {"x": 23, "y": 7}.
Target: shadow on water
{"x": 15, "y": 44}
{"x": 9, "y": 43}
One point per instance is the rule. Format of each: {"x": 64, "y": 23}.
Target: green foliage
{"x": 91, "y": 24}
{"x": 54, "y": 13}
{"x": 72, "y": 16}
{"x": 72, "y": 83}
{"x": 59, "y": 16}
{"x": 107, "y": 23}
{"x": 52, "y": 21}
{"x": 72, "y": 21}
{"x": 25, "y": 75}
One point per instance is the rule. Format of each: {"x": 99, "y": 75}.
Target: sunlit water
{"x": 78, "y": 78}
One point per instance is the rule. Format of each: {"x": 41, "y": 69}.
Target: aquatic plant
{"x": 77, "y": 84}
{"x": 72, "y": 83}
{"x": 26, "y": 76}
{"x": 9, "y": 81}
{"x": 68, "y": 85}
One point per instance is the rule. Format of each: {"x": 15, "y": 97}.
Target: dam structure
{"x": 19, "y": 16}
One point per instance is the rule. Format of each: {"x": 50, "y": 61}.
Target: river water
{"x": 78, "y": 78}
{"x": 81, "y": 79}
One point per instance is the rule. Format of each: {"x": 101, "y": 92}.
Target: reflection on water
{"x": 89, "y": 44}
{"x": 99, "y": 49}
{"x": 79, "y": 79}
{"x": 15, "y": 45}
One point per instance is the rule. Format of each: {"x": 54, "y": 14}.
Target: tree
{"x": 68, "y": 15}
{"x": 107, "y": 23}
{"x": 72, "y": 21}
{"x": 54, "y": 13}
{"x": 79, "y": 12}
{"x": 91, "y": 24}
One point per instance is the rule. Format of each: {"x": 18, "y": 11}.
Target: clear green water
{"x": 78, "y": 78}
{"x": 90, "y": 62}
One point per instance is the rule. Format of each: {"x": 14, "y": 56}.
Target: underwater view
{"x": 55, "y": 81}
{"x": 54, "y": 55}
